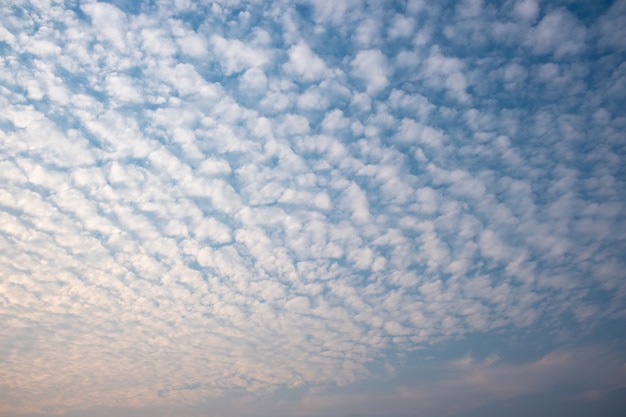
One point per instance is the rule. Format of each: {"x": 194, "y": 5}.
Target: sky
{"x": 312, "y": 208}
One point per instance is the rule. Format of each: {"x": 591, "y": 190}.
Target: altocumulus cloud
{"x": 312, "y": 208}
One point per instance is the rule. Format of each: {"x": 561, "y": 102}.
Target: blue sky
{"x": 312, "y": 208}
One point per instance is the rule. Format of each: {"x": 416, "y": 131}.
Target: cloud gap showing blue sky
{"x": 312, "y": 208}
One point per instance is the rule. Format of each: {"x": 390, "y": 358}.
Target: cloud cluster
{"x": 199, "y": 200}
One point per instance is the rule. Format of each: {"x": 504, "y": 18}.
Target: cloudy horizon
{"x": 312, "y": 208}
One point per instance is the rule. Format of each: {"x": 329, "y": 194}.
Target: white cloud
{"x": 333, "y": 12}
{"x": 193, "y": 45}
{"x": 526, "y": 9}
{"x": 304, "y": 63}
{"x": 236, "y": 56}
{"x": 371, "y": 67}
{"x": 109, "y": 22}
{"x": 410, "y": 131}
{"x": 157, "y": 42}
{"x": 469, "y": 8}
{"x": 610, "y": 26}
{"x": 559, "y": 32}
{"x": 312, "y": 99}
{"x": 253, "y": 80}
{"x": 401, "y": 27}
{"x": 367, "y": 33}
{"x": 446, "y": 72}
{"x": 335, "y": 121}
{"x": 123, "y": 88}
{"x": 241, "y": 224}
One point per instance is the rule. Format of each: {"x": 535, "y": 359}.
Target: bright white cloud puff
{"x": 312, "y": 208}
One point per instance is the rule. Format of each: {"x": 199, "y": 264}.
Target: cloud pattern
{"x": 202, "y": 201}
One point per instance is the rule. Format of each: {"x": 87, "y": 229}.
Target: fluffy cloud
{"x": 304, "y": 64}
{"x": 371, "y": 67}
{"x": 309, "y": 209}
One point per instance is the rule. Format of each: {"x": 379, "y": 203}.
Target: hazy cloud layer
{"x": 244, "y": 208}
